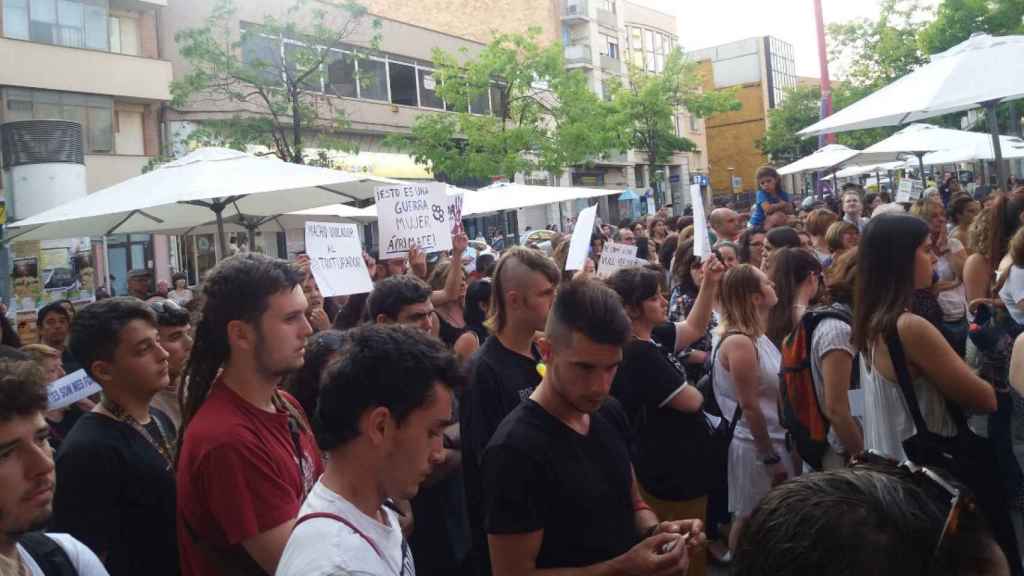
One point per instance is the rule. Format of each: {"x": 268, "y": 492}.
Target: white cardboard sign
{"x": 579, "y": 246}
{"x": 701, "y": 238}
{"x": 70, "y": 389}
{"x": 414, "y": 214}
{"x": 336, "y": 259}
{"x": 909, "y": 190}
{"x": 615, "y": 257}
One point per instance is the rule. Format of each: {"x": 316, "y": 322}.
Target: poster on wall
{"x": 45, "y": 272}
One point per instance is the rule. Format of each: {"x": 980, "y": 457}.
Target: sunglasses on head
{"x": 164, "y": 306}
{"x": 923, "y": 476}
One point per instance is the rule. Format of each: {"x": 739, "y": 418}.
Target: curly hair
{"x": 981, "y": 232}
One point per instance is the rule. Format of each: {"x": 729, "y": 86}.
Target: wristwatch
{"x": 771, "y": 459}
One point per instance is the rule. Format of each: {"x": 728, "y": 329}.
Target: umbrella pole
{"x": 993, "y": 128}
{"x": 251, "y": 229}
{"x": 920, "y": 163}
{"x": 218, "y": 209}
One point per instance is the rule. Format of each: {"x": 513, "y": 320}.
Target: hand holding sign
{"x": 335, "y": 258}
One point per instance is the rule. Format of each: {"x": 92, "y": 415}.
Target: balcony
{"x": 575, "y": 10}
{"x": 612, "y": 65}
{"x": 578, "y": 55}
{"x": 45, "y": 66}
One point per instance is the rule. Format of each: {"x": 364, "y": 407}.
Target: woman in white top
{"x": 181, "y": 294}
{"x": 950, "y": 256}
{"x": 746, "y": 371}
{"x": 894, "y": 259}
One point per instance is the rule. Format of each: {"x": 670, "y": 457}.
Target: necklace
{"x": 161, "y": 444}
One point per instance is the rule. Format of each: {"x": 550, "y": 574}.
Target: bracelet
{"x": 771, "y": 460}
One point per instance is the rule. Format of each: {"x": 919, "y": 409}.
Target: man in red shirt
{"x": 247, "y": 457}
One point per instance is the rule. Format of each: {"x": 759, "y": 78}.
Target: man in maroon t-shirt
{"x": 247, "y": 457}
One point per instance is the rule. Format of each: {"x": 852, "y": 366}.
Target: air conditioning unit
{"x": 43, "y": 165}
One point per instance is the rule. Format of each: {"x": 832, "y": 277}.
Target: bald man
{"x": 504, "y": 371}
{"x": 726, "y": 224}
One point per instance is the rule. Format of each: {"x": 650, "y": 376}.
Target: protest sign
{"x": 70, "y": 389}
{"x": 414, "y": 214}
{"x": 701, "y": 238}
{"x": 909, "y": 190}
{"x": 615, "y": 257}
{"x": 336, "y": 259}
{"x": 579, "y": 246}
{"x": 455, "y": 213}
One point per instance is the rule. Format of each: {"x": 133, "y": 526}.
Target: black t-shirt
{"x": 666, "y": 450}
{"x": 539, "y": 474}
{"x": 69, "y": 362}
{"x": 499, "y": 380}
{"x": 115, "y": 492}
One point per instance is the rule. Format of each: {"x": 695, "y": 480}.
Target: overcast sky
{"x": 704, "y": 23}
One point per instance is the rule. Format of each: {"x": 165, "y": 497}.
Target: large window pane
{"x": 263, "y": 55}
{"x": 403, "y": 84}
{"x": 373, "y": 80}
{"x": 129, "y": 36}
{"x": 69, "y": 15}
{"x": 479, "y": 103}
{"x": 341, "y": 75}
{"x": 101, "y": 130}
{"x": 43, "y": 27}
{"x": 299, "y": 60}
{"x": 96, "y": 28}
{"x": 428, "y": 90}
{"x": 16, "y": 19}
{"x": 497, "y": 101}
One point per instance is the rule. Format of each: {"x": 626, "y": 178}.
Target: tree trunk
{"x": 296, "y": 128}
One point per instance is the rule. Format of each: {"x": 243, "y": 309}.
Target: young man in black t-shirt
{"x": 115, "y": 480}
{"x": 559, "y": 488}
{"x": 503, "y": 372}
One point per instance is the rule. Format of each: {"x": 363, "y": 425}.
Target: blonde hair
{"x": 739, "y": 313}
{"x": 980, "y": 233}
{"x": 40, "y": 352}
{"x": 834, "y": 235}
{"x": 1017, "y": 247}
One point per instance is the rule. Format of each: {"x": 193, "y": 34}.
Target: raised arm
{"x": 454, "y": 280}
{"x": 696, "y": 324}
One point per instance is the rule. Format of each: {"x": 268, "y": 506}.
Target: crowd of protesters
{"x": 830, "y": 387}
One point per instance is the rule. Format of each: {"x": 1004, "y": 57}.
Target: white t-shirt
{"x": 1012, "y": 292}
{"x": 326, "y": 547}
{"x": 83, "y": 559}
{"x": 831, "y": 334}
{"x": 953, "y": 302}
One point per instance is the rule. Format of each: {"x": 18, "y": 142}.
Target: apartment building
{"x": 98, "y": 63}
{"x": 760, "y": 69}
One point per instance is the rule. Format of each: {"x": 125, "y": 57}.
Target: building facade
{"x": 760, "y": 70}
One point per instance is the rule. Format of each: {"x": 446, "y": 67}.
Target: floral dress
{"x": 680, "y": 305}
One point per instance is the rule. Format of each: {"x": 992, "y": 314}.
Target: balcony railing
{"x": 575, "y": 10}
{"x": 578, "y": 55}
{"x": 609, "y": 64}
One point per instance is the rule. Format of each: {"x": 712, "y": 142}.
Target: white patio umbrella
{"x": 825, "y": 159}
{"x": 510, "y": 196}
{"x": 917, "y": 140}
{"x": 851, "y": 171}
{"x": 981, "y": 71}
{"x": 207, "y": 184}
{"x": 1011, "y": 146}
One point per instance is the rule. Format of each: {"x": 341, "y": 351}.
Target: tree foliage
{"x": 543, "y": 117}
{"x": 956, "y": 20}
{"x": 265, "y": 93}
{"x": 877, "y": 52}
{"x": 644, "y": 107}
{"x": 801, "y": 107}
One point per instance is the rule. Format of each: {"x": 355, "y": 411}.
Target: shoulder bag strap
{"x": 899, "y": 364}
{"x": 344, "y": 521}
{"x": 51, "y": 557}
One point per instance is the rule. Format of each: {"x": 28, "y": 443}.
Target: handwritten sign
{"x": 70, "y": 389}
{"x": 414, "y": 214}
{"x": 615, "y": 257}
{"x": 701, "y": 238}
{"x": 455, "y": 213}
{"x": 579, "y": 246}
{"x": 909, "y": 190}
{"x": 336, "y": 259}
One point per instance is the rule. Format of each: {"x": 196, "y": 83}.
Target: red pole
{"x": 826, "y": 84}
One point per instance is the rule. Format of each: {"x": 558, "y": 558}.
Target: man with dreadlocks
{"x": 248, "y": 458}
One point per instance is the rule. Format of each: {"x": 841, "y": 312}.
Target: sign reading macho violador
{"x": 414, "y": 214}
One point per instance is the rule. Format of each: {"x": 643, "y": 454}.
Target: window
{"x": 402, "y": 78}
{"x": 428, "y": 90}
{"x": 341, "y": 74}
{"x": 480, "y": 103}
{"x": 299, "y": 59}
{"x": 608, "y": 5}
{"x": 124, "y": 35}
{"x": 16, "y": 19}
{"x": 263, "y": 55}
{"x": 94, "y": 113}
{"x": 694, "y": 123}
{"x": 373, "y": 79}
{"x": 636, "y": 43}
{"x": 497, "y": 100}
{"x": 610, "y": 46}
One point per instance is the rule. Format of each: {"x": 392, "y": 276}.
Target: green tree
{"x": 272, "y": 93}
{"x": 543, "y": 117}
{"x": 956, "y": 20}
{"x": 801, "y": 107}
{"x": 875, "y": 53}
{"x": 645, "y": 106}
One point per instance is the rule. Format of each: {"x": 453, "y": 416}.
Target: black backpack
{"x": 48, "y": 554}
